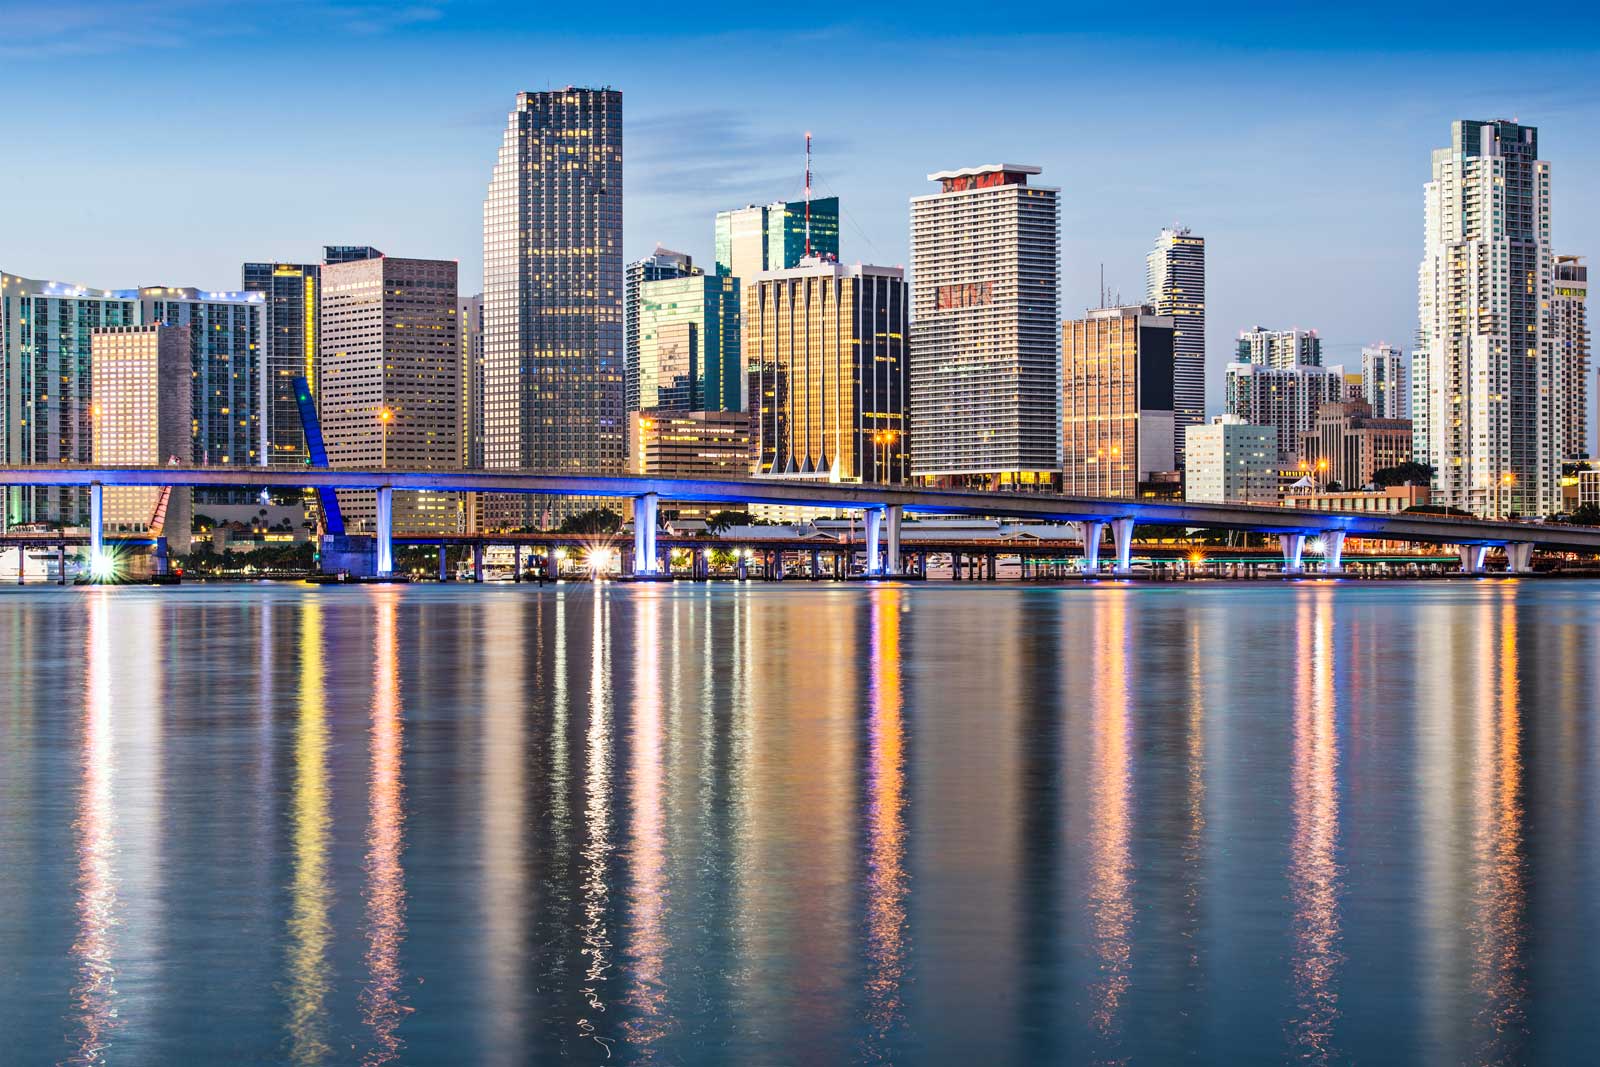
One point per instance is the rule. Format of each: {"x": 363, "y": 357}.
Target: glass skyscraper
{"x": 290, "y": 350}
{"x": 1175, "y": 284}
{"x": 553, "y": 294}
{"x": 662, "y": 263}
{"x": 764, "y": 237}
{"x": 689, "y": 345}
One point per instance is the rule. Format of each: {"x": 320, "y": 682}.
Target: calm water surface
{"x": 801, "y": 824}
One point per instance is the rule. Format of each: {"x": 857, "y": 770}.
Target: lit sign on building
{"x": 971, "y": 295}
{"x": 987, "y": 180}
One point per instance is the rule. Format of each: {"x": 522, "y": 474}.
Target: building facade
{"x": 1383, "y": 381}
{"x": 826, "y": 348}
{"x": 1569, "y": 350}
{"x": 469, "y": 319}
{"x": 1347, "y": 444}
{"x": 554, "y": 396}
{"x": 1285, "y": 398}
{"x": 289, "y": 351}
{"x": 688, "y": 345}
{"x": 1175, "y": 285}
{"x": 1482, "y": 378}
{"x": 661, "y": 264}
{"x": 1117, "y": 415}
{"x": 986, "y": 363}
{"x": 142, "y": 411}
{"x": 690, "y": 444}
{"x": 391, "y": 380}
{"x": 1231, "y": 462}
{"x": 1279, "y": 348}
{"x": 762, "y": 237}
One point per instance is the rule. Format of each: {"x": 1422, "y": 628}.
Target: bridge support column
{"x": 477, "y": 562}
{"x": 385, "y": 531}
{"x": 874, "y": 518}
{"x": 516, "y": 563}
{"x": 99, "y": 565}
{"x": 1472, "y": 558}
{"x": 1333, "y": 552}
{"x": 1093, "y": 532}
{"x": 742, "y": 564}
{"x": 22, "y": 562}
{"x": 552, "y": 564}
{"x": 444, "y": 563}
{"x": 1122, "y": 534}
{"x": 1294, "y": 546}
{"x": 894, "y": 565}
{"x": 61, "y": 563}
{"x": 1519, "y": 558}
{"x": 644, "y": 535}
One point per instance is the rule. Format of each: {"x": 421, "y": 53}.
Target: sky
{"x": 167, "y": 143}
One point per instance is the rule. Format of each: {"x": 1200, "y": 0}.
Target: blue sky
{"x": 167, "y": 142}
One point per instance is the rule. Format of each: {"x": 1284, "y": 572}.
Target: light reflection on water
{"x": 899, "y": 824}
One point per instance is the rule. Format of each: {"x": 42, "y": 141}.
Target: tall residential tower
{"x": 1569, "y": 345}
{"x": 1175, "y": 285}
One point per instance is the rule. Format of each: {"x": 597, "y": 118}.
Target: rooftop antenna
{"x": 808, "y": 194}
{"x": 1102, "y": 285}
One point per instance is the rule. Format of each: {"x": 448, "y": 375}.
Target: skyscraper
{"x": 289, "y": 351}
{"x": 1569, "y": 347}
{"x": 391, "y": 379}
{"x": 826, "y": 348}
{"x": 985, "y": 358}
{"x": 552, "y": 302}
{"x": 1175, "y": 285}
{"x": 662, "y": 263}
{"x": 1348, "y": 443}
{"x": 1383, "y": 380}
{"x": 348, "y": 253}
{"x": 689, "y": 345}
{"x": 143, "y": 400}
{"x": 1117, "y": 408}
{"x": 757, "y": 238}
{"x": 469, "y": 316}
{"x": 1285, "y": 398}
{"x": 1482, "y": 364}
{"x": 1279, "y": 348}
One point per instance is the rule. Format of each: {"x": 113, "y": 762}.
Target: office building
{"x": 1285, "y": 398}
{"x": 1117, "y": 401}
{"x": 1279, "y": 348}
{"x": 661, "y": 264}
{"x": 688, "y": 345}
{"x": 141, "y": 410}
{"x": 1569, "y": 351}
{"x": 1231, "y": 461}
{"x": 289, "y": 351}
{"x": 758, "y": 238}
{"x": 986, "y": 361}
{"x": 1175, "y": 285}
{"x": 1483, "y": 385}
{"x": 1383, "y": 381}
{"x": 391, "y": 380}
{"x": 1347, "y": 444}
{"x": 554, "y": 394}
{"x": 689, "y": 444}
{"x": 469, "y": 319}
{"x": 826, "y": 348}
{"x": 348, "y": 253}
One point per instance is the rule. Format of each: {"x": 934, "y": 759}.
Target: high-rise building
{"x": 1231, "y": 461}
{"x": 662, "y": 263}
{"x": 1175, "y": 285}
{"x": 689, "y": 345}
{"x": 348, "y": 253}
{"x": 757, "y": 238}
{"x": 391, "y": 380}
{"x": 46, "y": 347}
{"x": 469, "y": 316}
{"x": 1285, "y": 398}
{"x": 1279, "y": 348}
{"x": 289, "y": 351}
{"x": 1483, "y": 393}
{"x": 986, "y": 362}
{"x": 141, "y": 412}
{"x": 1569, "y": 349}
{"x": 826, "y": 348}
{"x": 690, "y": 444}
{"x": 1347, "y": 443}
{"x": 1383, "y": 380}
{"x": 552, "y": 301}
{"x": 1117, "y": 400}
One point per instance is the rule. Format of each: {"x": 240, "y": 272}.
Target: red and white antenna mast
{"x": 808, "y": 194}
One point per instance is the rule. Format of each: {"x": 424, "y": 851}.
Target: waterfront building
{"x": 1482, "y": 382}
{"x": 141, "y": 412}
{"x": 826, "y": 347}
{"x": 689, "y": 444}
{"x": 1175, "y": 285}
{"x": 1347, "y": 444}
{"x": 1279, "y": 348}
{"x": 1383, "y": 380}
{"x": 1231, "y": 461}
{"x": 1285, "y": 398}
{"x": 688, "y": 344}
{"x": 662, "y": 263}
{"x": 46, "y": 355}
{"x": 391, "y": 380}
{"x": 1386, "y": 501}
{"x": 289, "y": 350}
{"x": 985, "y": 359}
{"x": 763, "y": 237}
{"x": 552, "y": 302}
{"x": 1569, "y": 350}
{"x": 1117, "y": 401}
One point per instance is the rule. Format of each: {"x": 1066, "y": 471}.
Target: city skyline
{"x": 1354, "y": 283}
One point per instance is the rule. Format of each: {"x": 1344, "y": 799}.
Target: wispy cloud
{"x": 690, "y": 154}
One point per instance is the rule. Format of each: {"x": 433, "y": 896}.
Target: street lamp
{"x": 385, "y": 417}
{"x": 1506, "y": 481}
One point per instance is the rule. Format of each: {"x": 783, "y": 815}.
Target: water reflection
{"x": 382, "y": 1001}
{"x": 1110, "y": 885}
{"x": 648, "y": 942}
{"x": 887, "y": 883}
{"x": 504, "y": 890}
{"x": 595, "y": 929}
{"x": 309, "y": 929}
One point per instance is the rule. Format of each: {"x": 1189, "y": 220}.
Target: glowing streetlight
{"x": 385, "y": 417}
